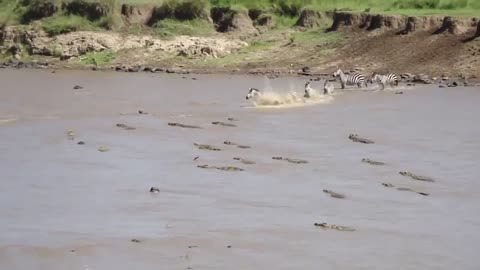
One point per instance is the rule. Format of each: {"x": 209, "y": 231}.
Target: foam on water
{"x": 289, "y": 100}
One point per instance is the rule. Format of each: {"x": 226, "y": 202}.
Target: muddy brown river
{"x": 65, "y": 205}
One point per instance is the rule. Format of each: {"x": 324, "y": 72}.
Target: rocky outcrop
{"x": 310, "y": 18}
{"x": 228, "y": 20}
{"x": 137, "y": 14}
{"x": 78, "y": 43}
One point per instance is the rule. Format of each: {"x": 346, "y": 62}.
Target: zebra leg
{"x": 343, "y": 85}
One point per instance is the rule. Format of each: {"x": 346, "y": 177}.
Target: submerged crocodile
{"x": 417, "y": 177}
{"x": 207, "y": 147}
{"x": 405, "y": 189}
{"x": 372, "y": 162}
{"x": 238, "y": 145}
{"x": 124, "y": 126}
{"x": 218, "y": 123}
{"x": 244, "y": 161}
{"x": 334, "y": 194}
{"x": 334, "y": 227}
{"x": 355, "y": 138}
{"x": 182, "y": 125}
{"x": 222, "y": 168}
{"x": 291, "y": 160}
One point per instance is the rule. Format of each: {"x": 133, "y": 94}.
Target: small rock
{"x": 81, "y": 143}
{"x": 154, "y": 190}
{"x": 231, "y": 119}
{"x": 229, "y": 246}
{"x": 77, "y": 87}
{"x": 399, "y": 93}
{"x": 196, "y": 158}
{"x": 142, "y": 112}
{"x": 135, "y": 241}
{"x": 441, "y": 86}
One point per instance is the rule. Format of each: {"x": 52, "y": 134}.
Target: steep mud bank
{"x": 343, "y": 21}
{"x": 229, "y": 20}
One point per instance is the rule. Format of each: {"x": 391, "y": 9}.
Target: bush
{"x": 37, "y": 9}
{"x": 417, "y": 4}
{"x": 64, "y": 24}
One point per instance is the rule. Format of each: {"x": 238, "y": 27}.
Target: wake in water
{"x": 269, "y": 98}
{"x": 289, "y": 99}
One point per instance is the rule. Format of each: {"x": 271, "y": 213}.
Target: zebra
{"x": 353, "y": 79}
{"x": 253, "y": 92}
{"x": 328, "y": 87}
{"x": 390, "y": 79}
{"x": 309, "y": 91}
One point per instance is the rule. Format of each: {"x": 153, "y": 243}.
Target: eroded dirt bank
{"x": 250, "y": 42}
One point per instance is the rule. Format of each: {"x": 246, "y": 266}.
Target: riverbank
{"x": 229, "y": 39}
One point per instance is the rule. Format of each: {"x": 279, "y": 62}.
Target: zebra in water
{"x": 328, "y": 87}
{"x": 353, "y": 79}
{"x": 309, "y": 91}
{"x": 252, "y": 93}
{"x": 390, "y": 79}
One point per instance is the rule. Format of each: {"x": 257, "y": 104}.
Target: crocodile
{"x": 334, "y": 227}
{"x": 244, "y": 161}
{"x": 207, "y": 147}
{"x": 291, "y": 160}
{"x": 356, "y": 138}
{"x": 405, "y": 189}
{"x": 238, "y": 145}
{"x": 372, "y": 162}
{"x": 183, "y": 125}
{"x": 222, "y": 168}
{"x": 223, "y": 124}
{"x": 417, "y": 177}
{"x": 124, "y": 126}
{"x": 334, "y": 194}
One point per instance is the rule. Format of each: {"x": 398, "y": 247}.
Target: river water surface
{"x": 69, "y": 206}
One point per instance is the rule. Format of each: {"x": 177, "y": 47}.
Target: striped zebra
{"x": 353, "y": 79}
{"x": 390, "y": 79}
